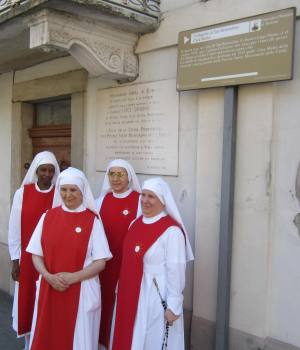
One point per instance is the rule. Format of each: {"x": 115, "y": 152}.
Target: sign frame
{"x": 204, "y": 36}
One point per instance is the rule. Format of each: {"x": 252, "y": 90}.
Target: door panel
{"x": 54, "y": 138}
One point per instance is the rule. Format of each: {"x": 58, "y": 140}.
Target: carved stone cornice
{"x": 100, "y": 49}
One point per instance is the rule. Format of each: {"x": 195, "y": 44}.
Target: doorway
{"x": 52, "y": 130}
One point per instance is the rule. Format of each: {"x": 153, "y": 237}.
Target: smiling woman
{"x": 69, "y": 249}
{"x": 71, "y": 196}
{"x": 152, "y": 275}
{"x": 151, "y": 204}
{"x": 118, "y": 179}
{"x": 118, "y": 206}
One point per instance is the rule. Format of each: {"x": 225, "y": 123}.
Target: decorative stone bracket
{"x": 101, "y": 49}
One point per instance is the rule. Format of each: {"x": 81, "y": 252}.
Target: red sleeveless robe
{"x": 64, "y": 250}
{"x": 34, "y": 204}
{"x": 139, "y": 239}
{"x": 116, "y": 215}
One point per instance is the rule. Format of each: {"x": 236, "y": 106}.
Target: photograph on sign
{"x": 250, "y": 50}
{"x": 139, "y": 123}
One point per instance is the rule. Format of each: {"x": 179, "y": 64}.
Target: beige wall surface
{"x": 5, "y": 151}
{"x": 284, "y": 303}
{"x": 196, "y": 14}
{"x": 266, "y": 243}
{"x": 6, "y": 81}
{"x": 208, "y": 179}
{"x": 251, "y": 237}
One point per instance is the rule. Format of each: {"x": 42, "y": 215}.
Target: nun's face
{"x": 118, "y": 179}
{"x": 45, "y": 175}
{"x": 71, "y": 196}
{"x": 151, "y": 205}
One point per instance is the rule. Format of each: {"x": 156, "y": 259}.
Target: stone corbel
{"x": 101, "y": 50}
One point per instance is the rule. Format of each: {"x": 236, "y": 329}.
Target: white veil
{"x": 41, "y": 158}
{"x": 73, "y": 176}
{"x": 163, "y": 192}
{"x": 133, "y": 179}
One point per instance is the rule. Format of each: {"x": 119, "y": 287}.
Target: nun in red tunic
{"x": 155, "y": 251}
{"x": 117, "y": 205}
{"x": 30, "y": 201}
{"x": 69, "y": 249}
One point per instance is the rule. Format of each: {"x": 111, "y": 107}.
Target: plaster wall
{"x": 5, "y": 154}
{"x": 199, "y": 13}
{"x": 251, "y": 229}
{"x": 58, "y": 66}
{"x": 5, "y": 161}
{"x": 208, "y": 178}
{"x": 285, "y": 259}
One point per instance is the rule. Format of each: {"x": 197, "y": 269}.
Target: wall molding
{"x": 102, "y": 50}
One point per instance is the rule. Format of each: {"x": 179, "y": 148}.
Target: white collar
{"x": 122, "y": 195}
{"x": 155, "y": 218}
{"x": 43, "y": 191}
{"x": 77, "y": 210}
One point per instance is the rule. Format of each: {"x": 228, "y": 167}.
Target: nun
{"x": 117, "y": 205}
{"x": 69, "y": 249}
{"x": 31, "y": 200}
{"x": 149, "y": 307}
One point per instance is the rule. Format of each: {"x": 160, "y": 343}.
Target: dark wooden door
{"x": 54, "y": 138}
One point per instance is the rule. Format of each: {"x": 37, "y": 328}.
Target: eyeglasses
{"x": 118, "y": 174}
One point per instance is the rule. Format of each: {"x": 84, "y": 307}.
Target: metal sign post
{"x": 226, "y": 218}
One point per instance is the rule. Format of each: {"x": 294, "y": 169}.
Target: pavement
{"x": 8, "y": 338}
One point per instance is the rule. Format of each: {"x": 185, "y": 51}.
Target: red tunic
{"x": 116, "y": 215}
{"x": 34, "y": 204}
{"x": 64, "y": 250}
{"x": 139, "y": 239}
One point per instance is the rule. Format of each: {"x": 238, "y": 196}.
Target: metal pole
{"x": 226, "y": 218}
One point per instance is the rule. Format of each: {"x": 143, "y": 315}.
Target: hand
{"x": 170, "y": 317}
{"x": 56, "y": 282}
{"x": 15, "y": 270}
{"x": 68, "y": 277}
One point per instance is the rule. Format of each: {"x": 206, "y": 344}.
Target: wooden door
{"x": 54, "y": 138}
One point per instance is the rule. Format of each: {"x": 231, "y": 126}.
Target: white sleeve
{"x": 35, "y": 246}
{"x": 175, "y": 262}
{"x": 14, "y": 226}
{"x": 98, "y": 203}
{"x": 100, "y": 248}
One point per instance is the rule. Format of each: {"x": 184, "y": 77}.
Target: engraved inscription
{"x": 139, "y": 123}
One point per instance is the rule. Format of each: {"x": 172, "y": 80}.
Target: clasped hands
{"x": 61, "y": 281}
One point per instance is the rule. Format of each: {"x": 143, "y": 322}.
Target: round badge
{"x": 125, "y": 212}
{"x": 137, "y": 248}
{"x": 78, "y": 229}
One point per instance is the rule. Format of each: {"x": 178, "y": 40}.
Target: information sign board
{"x": 250, "y": 50}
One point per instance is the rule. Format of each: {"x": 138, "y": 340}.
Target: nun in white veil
{"x": 107, "y": 187}
{"x": 117, "y": 205}
{"x": 158, "y": 244}
{"x": 69, "y": 249}
{"x": 30, "y": 201}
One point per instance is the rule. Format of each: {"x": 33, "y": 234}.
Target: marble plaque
{"x": 139, "y": 123}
